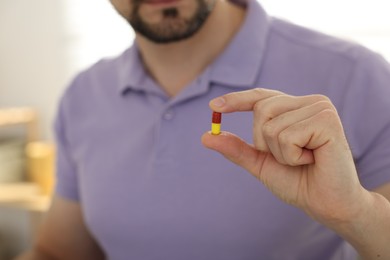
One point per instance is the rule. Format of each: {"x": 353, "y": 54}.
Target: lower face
{"x": 165, "y": 21}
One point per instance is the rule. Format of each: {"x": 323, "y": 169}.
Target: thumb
{"x": 236, "y": 150}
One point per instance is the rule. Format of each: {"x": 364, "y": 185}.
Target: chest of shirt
{"x": 145, "y": 179}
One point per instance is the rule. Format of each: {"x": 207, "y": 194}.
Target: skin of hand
{"x": 299, "y": 152}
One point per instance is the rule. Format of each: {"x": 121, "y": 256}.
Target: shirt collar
{"x": 237, "y": 66}
{"x": 131, "y": 70}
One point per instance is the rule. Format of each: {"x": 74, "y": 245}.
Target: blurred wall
{"x": 33, "y": 66}
{"x": 33, "y": 70}
{"x": 44, "y": 43}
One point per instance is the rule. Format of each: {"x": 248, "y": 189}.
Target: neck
{"x": 173, "y": 66}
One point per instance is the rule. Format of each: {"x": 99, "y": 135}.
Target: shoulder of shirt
{"x": 106, "y": 65}
{"x": 88, "y": 80}
{"x": 316, "y": 41}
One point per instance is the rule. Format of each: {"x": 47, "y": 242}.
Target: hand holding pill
{"x": 299, "y": 150}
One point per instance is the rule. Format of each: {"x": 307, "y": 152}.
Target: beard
{"x": 174, "y": 28}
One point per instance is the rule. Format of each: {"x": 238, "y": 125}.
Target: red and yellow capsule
{"x": 216, "y": 123}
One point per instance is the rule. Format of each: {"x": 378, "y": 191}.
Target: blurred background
{"x": 44, "y": 43}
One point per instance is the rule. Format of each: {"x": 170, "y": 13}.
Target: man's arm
{"x": 370, "y": 233}
{"x": 63, "y": 235}
{"x": 301, "y": 154}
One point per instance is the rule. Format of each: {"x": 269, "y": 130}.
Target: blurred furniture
{"x": 22, "y": 208}
{"x": 24, "y": 116}
{"x": 26, "y": 178}
{"x": 23, "y": 195}
{"x": 26, "y": 163}
{"x": 18, "y": 127}
{"x": 33, "y": 190}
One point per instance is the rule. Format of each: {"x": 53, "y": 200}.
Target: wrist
{"x": 354, "y": 213}
{"x": 342, "y": 211}
{"x": 358, "y": 216}
{"x": 368, "y": 228}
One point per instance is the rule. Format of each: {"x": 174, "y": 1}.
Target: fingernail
{"x": 218, "y": 102}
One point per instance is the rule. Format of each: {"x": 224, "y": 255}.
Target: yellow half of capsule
{"x": 215, "y": 128}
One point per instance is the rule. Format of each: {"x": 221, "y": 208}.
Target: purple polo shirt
{"x": 132, "y": 157}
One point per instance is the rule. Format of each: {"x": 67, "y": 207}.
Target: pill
{"x": 216, "y": 123}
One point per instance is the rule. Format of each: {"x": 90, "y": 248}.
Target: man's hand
{"x": 299, "y": 151}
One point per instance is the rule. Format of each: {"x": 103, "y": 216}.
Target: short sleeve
{"x": 66, "y": 170}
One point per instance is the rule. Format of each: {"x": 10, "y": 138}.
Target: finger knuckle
{"x": 263, "y": 110}
{"x": 259, "y": 142}
{"x": 331, "y": 118}
{"x": 269, "y": 130}
{"x": 321, "y": 97}
{"x": 291, "y": 154}
{"x": 258, "y": 91}
{"x": 258, "y": 108}
{"x": 328, "y": 114}
{"x": 284, "y": 138}
{"x": 322, "y": 104}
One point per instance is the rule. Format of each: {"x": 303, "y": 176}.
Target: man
{"x": 134, "y": 181}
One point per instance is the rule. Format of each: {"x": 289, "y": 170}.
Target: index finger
{"x": 241, "y": 100}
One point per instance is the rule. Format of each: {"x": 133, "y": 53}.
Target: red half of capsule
{"x": 217, "y": 118}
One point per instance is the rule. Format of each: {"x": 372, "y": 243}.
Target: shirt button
{"x": 168, "y": 115}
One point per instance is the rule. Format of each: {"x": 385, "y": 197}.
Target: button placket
{"x": 168, "y": 114}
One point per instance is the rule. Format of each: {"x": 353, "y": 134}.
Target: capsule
{"x": 216, "y": 123}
